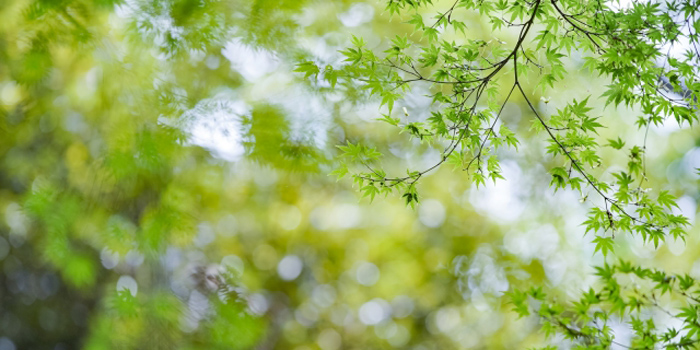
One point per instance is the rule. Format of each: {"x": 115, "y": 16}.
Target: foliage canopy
{"x": 629, "y": 44}
{"x": 163, "y": 174}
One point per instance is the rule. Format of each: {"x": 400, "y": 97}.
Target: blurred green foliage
{"x": 164, "y": 185}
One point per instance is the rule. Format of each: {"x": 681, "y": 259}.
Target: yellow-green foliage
{"x": 155, "y": 193}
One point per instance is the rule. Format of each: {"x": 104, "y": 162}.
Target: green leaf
{"x": 370, "y": 191}
{"x": 309, "y": 68}
{"x": 616, "y": 144}
{"x": 604, "y": 244}
{"x": 667, "y": 200}
{"x": 341, "y": 172}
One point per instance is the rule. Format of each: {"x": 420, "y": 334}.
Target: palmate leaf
{"x": 604, "y": 245}
{"x": 309, "y": 68}
{"x": 331, "y": 76}
{"x": 341, "y": 172}
{"x": 667, "y": 200}
{"x": 353, "y": 55}
{"x": 370, "y": 191}
{"x": 616, "y": 144}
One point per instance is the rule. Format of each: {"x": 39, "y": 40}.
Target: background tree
{"x": 164, "y": 179}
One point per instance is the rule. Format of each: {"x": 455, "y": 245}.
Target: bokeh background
{"x": 164, "y": 185}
